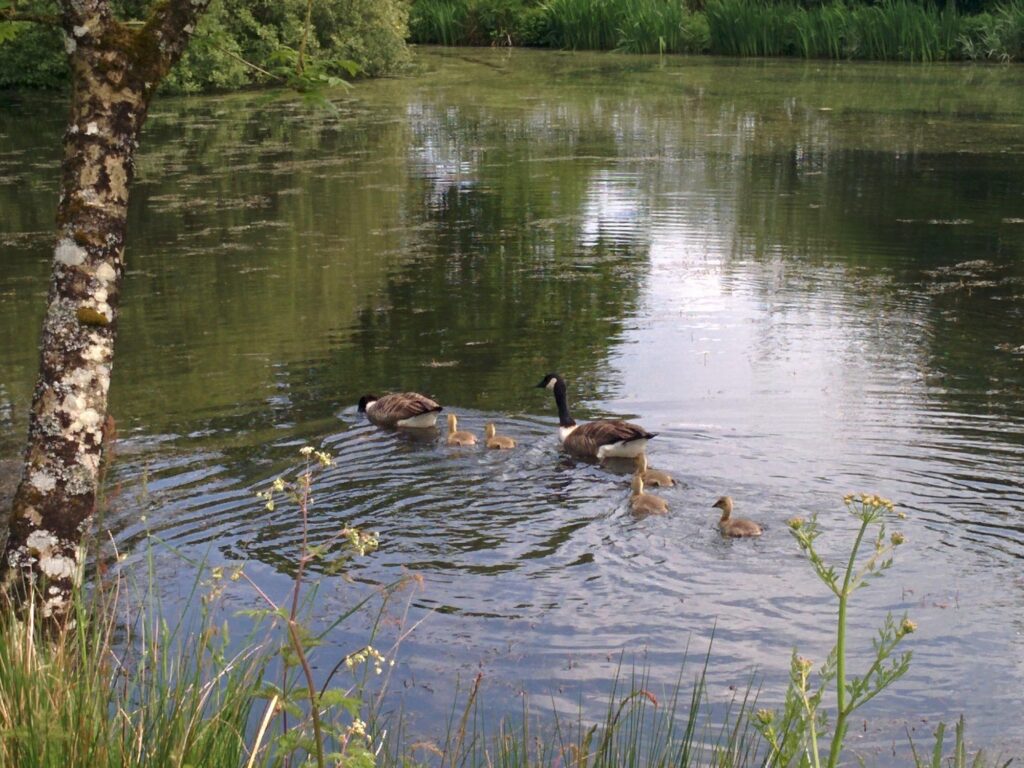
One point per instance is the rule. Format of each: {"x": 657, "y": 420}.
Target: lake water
{"x": 807, "y": 277}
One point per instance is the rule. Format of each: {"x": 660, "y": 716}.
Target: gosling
{"x": 735, "y": 526}
{"x": 644, "y": 504}
{"x": 458, "y": 436}
{"x": 494, "y": 440}
{"x": 653, "y": 476}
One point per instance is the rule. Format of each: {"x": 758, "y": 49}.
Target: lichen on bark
{"x": 115, "y": 70}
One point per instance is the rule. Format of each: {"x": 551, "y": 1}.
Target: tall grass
{"x": 120, "y": 687}
{"x": 896, "y": 30}
{"x": 640, "y": 726}
{"x": 660, "y": 26}
{"x": 584, "y": 24}
{"x": 994, "y": 36}
{"x": 96, "y": 697}
{"x": 441, "y": 22}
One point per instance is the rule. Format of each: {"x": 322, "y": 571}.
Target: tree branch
{"x": 11, "y": 14}
{"x": 170, "y": 27}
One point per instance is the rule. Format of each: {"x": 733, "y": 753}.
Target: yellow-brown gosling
{"x": 458, "y": 436}
{"x": 641, "y": 503}
{"x": 494, "y": 440}
{"x": 735, "y": 526}
{"x": 653, "y": 476}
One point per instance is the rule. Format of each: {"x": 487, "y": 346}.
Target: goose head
{"x": 641, "y": 463}
{"x": 365, "y": 400}
{"x": 550, "y": 381}
{"x": 724, "y": 503}
{"x": 452, "y": 422}
{"x": 489, "y": 430}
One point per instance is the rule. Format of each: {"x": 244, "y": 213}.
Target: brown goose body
{"x": 735, "y": 526}
{"x": 458, "y": 436}
{"x": 401, "y": 409}
{"x": 600, "y": 439}
{"x": 653, "y": 476}
{"x": 641, "y": 503}
{"x": 494, "y": 440}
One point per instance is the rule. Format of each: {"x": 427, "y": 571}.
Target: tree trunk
{"x": 114, "y": 73}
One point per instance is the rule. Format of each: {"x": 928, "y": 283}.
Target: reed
{"x": 119, "y": 687}
{"x": 895, "y": 30}
{"x": 584, "y": 24}
{"x": 995, "y": 36}
{"x": 660, "y": 26}
{"x": 641, "y": 725}
{"x": 441, "y": 22}
{"x": 113, "y": 693}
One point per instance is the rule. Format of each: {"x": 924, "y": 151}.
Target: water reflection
{"x": 805, "y": 277}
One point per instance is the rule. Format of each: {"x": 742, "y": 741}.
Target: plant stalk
{"x": 841, "y": 708}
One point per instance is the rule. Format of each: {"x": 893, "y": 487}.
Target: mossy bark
{"x": 115, "y": 70}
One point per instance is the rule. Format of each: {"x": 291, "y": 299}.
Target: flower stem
{"x": 842, "y": 712}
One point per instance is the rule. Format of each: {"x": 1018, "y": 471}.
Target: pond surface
{"x": 807, "y": 278}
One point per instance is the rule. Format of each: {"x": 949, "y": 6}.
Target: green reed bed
{"x": 894, "y": 30}
{"x": 441, "y": 22}
{"x": 891, "y": 30}
{"x": 661, "y": 26}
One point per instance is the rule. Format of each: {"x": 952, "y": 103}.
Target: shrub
{"x": 31, "y": 56}
{"x": 368, "y": 33}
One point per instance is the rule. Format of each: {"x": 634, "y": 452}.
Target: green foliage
{"x": 584, "y": 24}
{"x": 793, "y": 735}
{"x": 345, "y": 37}
{"x": 994, "y": 36}
{"x": 681, "y": 727}
{"x": 236, "y": 42}
{"x": 960, "y": 758}
{"x": 901, "y": 30}
{"x": 661, "y": 26}
{"x": 438, "y": 21}
{"x": 478, "y": 22}
{"x": 31, "y": 56}
{"x": 898, "y": 30}
{"x": 122, "y": 688}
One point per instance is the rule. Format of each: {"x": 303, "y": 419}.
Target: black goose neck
{"x": 564, "y": 419}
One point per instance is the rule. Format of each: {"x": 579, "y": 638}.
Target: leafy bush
{"x": 235, "y": 40}
{"x": 31, "y": 56}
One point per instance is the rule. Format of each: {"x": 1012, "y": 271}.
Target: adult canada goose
{"x": 401, "y": 409}
{"x": 494, "y": 440}
{"x": 735, "y": 526}
{"x": 600, "y": 439}
{"x": 645, "y": 503}
{"x": 653, "y": 476}
{"x": 458, "y": 436}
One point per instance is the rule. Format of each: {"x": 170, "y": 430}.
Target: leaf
{"x": 8, "y": 30}
{"x": 348, "y": 65}
{"x": 337, "y": 697}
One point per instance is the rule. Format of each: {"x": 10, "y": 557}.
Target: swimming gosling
{"x": 644, "y": 504}
{"x": 494, "y": 440}
{"x": 735, "y": 526}
{"x": 458, "y": 436}
{"x": 653, "y": 476}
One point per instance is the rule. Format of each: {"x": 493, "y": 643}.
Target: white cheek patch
{"x": 551, "y": 384}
